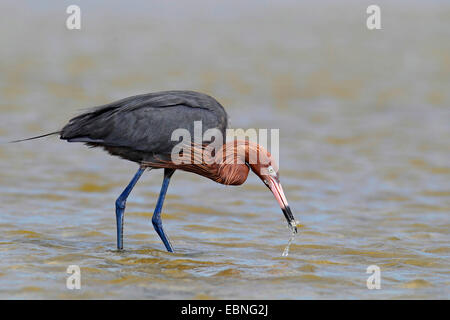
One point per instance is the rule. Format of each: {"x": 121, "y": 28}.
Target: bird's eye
{"x": 271, "y": 171}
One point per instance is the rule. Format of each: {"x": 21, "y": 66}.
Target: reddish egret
{"x": 139, "y": 129}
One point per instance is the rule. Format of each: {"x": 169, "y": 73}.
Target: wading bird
{"x": 139, "y": 129}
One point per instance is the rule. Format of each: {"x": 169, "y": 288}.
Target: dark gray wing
{"x": 146, "y": 122}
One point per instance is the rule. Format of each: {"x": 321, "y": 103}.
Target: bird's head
{"x": 238, "y": 156}
{"x": 267, "y": 170}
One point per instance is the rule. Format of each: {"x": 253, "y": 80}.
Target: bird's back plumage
{"x": 140, "y": 126}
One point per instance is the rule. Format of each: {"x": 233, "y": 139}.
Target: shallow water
{"x": 365, "y": 151}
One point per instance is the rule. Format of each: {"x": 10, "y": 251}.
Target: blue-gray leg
{"x": 156, "y": 220}
{"x": 120, "y": 207}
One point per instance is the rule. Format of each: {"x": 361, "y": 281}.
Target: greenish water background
{"x": 364, "y": 132}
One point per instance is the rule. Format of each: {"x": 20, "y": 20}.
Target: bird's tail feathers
{"x": 37, "y": 137}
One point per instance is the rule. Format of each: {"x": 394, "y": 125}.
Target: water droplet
{"x": 293, "y": 228}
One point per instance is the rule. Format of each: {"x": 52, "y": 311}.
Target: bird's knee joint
{"x": 157, "y": 223}
{"x": 120, "y": 204}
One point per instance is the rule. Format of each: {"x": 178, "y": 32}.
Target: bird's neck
{"x": 228, "y": 165}
{"x": 223, "y": 173}
{"x": 233, "y": 160}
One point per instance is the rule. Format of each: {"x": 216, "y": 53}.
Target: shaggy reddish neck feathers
{"x": 229, "y": 166}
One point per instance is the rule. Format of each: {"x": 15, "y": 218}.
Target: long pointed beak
{"x": 277, "y": 190}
